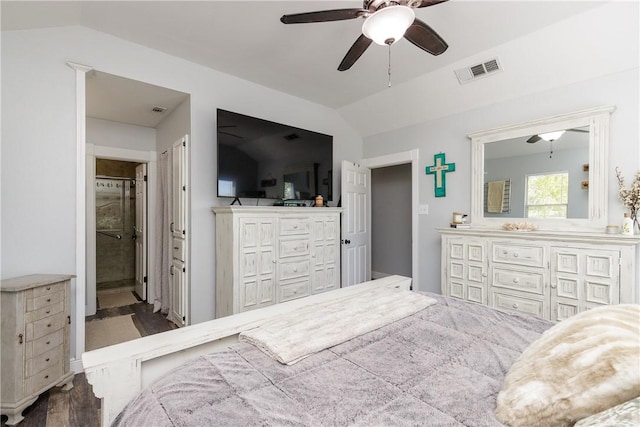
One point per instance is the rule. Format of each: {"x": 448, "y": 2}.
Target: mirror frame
{"x": 597, "y": 119}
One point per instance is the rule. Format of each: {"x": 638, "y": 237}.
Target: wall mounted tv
{"x": 262, "y": 159}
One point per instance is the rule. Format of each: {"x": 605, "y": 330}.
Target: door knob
{"x": 346, "y": 242}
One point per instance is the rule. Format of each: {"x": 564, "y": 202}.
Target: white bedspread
{"x": 298, "y": 334}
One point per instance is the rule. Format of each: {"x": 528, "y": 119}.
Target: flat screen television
{"x": 262, "y": 159}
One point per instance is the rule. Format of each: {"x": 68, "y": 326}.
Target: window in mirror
{"x": 547, "y": 195}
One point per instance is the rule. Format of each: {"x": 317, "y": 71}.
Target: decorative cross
{"x": 439, "y": 168}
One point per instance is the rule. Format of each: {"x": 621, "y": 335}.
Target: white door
{"x": 179, "y": 193}
{"x": 179, "y": 227}
{"x": 178, "y": 306}
{"x": 356, "y": 223}
{"x": 141, "y": 231}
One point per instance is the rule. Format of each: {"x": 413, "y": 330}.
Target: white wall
{"x": 120, "y": 135}
{"x": 39, "y": 142}
{"x": 448, "y": 135}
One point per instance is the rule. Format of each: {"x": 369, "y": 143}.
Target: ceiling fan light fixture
{"x": 388, "y": 25}
{"x": 552, "y": 136}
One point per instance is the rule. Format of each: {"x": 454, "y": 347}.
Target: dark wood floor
{"x": 79, "y": 407}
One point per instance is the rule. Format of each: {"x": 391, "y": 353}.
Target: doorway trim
{"x": 128, "y": 155}
{"x": 401, "y": 158}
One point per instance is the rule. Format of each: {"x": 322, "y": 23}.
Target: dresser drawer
{"x": 43, "y": 361}
{"x": 177, "y": 249}
{"x": 294, "y": 290}
{"x": 292, "y": 226}
{"x": 519, "y": 280}
{"x": 292, "y": 270}
{"x": 291, "y": 248}
{"x": 532, "y": 256}
{"x": 45, "y": 326}
{"x": 44, "y": 344}
{"x": 45, "y": 290}
{"x": 44, "y": 378}
{"x": 519, "y": 304}
{"x": 47, "y": 300}
{"x": 46, "y": 311}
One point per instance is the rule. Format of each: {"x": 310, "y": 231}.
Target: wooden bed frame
{"x": 119, "y": 372}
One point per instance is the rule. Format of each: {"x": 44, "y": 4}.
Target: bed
{"x": 442, "y": 365}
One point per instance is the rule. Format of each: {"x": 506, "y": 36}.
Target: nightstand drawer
{"x": 38, "y": 302}
{"x": 44, "y": 344}
{"x": 44, "y": 378}
{"x": 294, "y": 290}
{"x": 45, "y": 326}
{"x": 43, "y": 361}
{"x": 291, "y": 226}
{"x": 532, "y": 256}
{"x": 519, "y": 280}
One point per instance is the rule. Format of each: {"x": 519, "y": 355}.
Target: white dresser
{"x": 268, "y": 255}
{"x": 35, "y": 340}
{"x": 552, "y": 275}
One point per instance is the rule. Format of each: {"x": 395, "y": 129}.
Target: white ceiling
{"x": 246, "y": 38}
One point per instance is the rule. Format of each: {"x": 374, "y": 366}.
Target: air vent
{"x": 158, "y": 109}
{"x": 465, "y": 75}
{"x": 291, "y": 136}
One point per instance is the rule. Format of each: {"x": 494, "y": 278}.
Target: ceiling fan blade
{"x": 355, "y": 52}
{"x": 323, "y": 16}
{"x": 426, "y": 3}
{"x": 534, "y": 138}
{"x": 423, "y": 36}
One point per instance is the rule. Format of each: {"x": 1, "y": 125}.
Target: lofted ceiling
{"x": 246, "y": 38}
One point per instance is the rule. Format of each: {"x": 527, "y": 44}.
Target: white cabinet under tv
{"x": 268, "y": 255}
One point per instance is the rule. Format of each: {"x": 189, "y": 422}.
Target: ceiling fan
{"x": 552, "y": 136}
{"x": 385, "y": 23}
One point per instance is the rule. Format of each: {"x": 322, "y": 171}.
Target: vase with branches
{"x": 630, "y": 197}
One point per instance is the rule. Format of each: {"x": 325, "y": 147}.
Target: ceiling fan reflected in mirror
{"x": 385, "y": 23}
{"x": 552, "y": 136}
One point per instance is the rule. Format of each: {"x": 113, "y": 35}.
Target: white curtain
{"x": 162, "y": 289}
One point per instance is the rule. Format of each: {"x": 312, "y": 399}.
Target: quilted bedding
{"x": 442, "y": 366}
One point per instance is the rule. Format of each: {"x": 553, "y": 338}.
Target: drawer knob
{"x": 516, "y": 280}
{"x": 46, "y": 376}
{"x": 295, "y": 270}
{"x": 515, "y": 305}
{"x": 48, "y": 288}
{"x": 48, "y": 342}
{"x": 48, "y": 299}
{"x": 48, "y": 311}
{"x": 20, "y": 338}
{"x": 295, "y": 225}
{"x": 515, "y": 255}
{"x": 48, "y": 325}
{"x": 47, "y": 359}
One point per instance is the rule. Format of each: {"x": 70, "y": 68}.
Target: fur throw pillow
{"x": 579, "y": 367}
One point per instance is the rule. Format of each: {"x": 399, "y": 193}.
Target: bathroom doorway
{"x": 116, "y": 230}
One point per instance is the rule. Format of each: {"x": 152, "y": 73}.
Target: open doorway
{"x": 391, "y": 221}
{"x": 128, "y": 281}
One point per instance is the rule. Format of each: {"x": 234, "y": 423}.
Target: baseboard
{"x": 76, "y": 366}
{"x": 379, "y": 275}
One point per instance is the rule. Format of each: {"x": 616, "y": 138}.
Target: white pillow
{"x": 579, "y": 367}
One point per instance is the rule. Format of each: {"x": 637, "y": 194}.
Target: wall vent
{"x": 158, "y": 109}
{"x": 491, "y": 66}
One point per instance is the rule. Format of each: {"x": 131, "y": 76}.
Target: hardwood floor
{"x": 79, "y": 407}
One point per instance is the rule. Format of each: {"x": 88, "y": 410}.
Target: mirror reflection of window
{"x": 547, "y": 195}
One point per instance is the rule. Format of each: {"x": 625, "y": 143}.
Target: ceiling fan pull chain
{"x": 389, "y": 70}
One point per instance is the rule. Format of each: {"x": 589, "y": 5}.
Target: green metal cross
{"x": 439, "y": 168}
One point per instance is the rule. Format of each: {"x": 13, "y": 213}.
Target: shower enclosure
{"x": 115, "y": 234}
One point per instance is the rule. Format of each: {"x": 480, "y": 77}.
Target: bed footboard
{"x": 119, "y": 372}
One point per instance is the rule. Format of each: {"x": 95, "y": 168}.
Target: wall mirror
{"x": 551, "y": 172}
